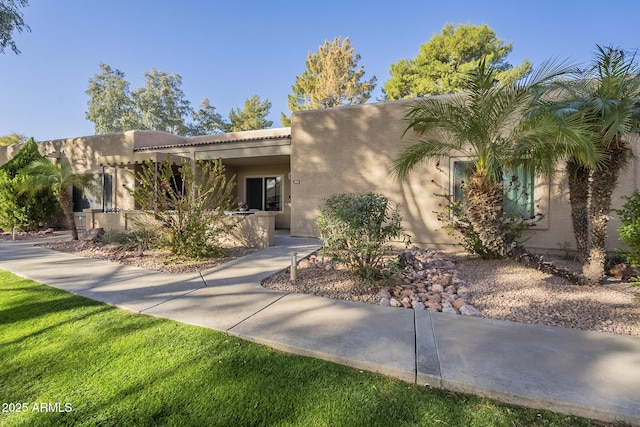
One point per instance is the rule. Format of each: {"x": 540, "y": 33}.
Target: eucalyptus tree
{"x": 110, "y": 107}
{"x": 11, "y": 19}
{"x": 502, "y": 127}
{"x": 607, "y": 95}
{"x": 161, "y": 103}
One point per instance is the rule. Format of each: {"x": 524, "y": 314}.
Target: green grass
{"x": 116, "y": 368}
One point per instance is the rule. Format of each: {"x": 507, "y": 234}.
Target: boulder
{"x": 469, "y": 310}
{"x": 93, "y": 235}
{"x": 622, "y": 271}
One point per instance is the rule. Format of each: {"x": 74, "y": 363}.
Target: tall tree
{"x": 11, "y": 19}
{"x": 12, "y": 138}
{"x": 206, "y": 120}
{"x": 60, "y": 178}
{"x": 110, "y": 106}
{"x": 443, "y": 62}
{"x": 251, "y": 117}
{"x": 503, "y": 126}
{"x": 161, "y": 104}
{"x": 607, "y": 94}
{"x": 331, "y": 79}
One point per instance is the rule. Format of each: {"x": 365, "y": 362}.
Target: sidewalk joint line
{"x": 171, "y": 299}
{"x": 263, "y": 308}
{"x": 415, "y": 348}
{"x": 435, "y": 344}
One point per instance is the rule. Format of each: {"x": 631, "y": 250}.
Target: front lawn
{"x": 67, "y": 360}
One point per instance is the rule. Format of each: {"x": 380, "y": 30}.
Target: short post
{"x": 294, "y": 266}
{"x": 14, "y": 235}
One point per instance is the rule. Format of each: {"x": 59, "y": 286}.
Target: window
{"x": 518, "y": 187}
{"x": 102, "y": 200}
{"x": 264, "y": 193}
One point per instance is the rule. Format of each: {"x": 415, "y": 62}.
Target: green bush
{"x": 357, "y": 228}
{"x": 26, "y": 212}
{"x": 186, "y": 204}
{"x": 629, "y": 230}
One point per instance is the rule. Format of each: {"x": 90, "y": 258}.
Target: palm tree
{"x": 59, "y": 177}
{"x": 503, "y": 127}
{"x": 607, "y": 94}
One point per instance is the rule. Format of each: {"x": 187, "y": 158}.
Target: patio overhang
{"x": 139, "y": 158}
{"x": 265, "y": 144}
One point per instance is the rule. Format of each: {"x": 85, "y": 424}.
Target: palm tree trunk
{"x": 483, "y": 204}
{"x": 66, "y": 203}
{"x": 603, "y": 182}
{"x": 579, "y": 200}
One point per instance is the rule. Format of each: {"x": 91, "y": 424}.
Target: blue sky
{"x": 229, "y": 51}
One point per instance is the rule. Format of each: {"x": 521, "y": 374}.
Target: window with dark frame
{"x": 264, "y": 193}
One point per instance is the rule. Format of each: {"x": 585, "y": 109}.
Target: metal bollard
{"x": 14, "y": 235}
{"x": 294, "y": 266}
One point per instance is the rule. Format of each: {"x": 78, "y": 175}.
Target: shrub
{"x": 139, "y": 238}
{"x": 629, "y": 230}
{"x": 24, "y": 211}
{"x": 187, "y": 204}
{"x": 357, "y": 228}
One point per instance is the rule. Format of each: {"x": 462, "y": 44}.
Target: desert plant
{"x": 23, "y": 211}
{"x": 187, "y": 203}
{"x": 59, "y": 178}
{"x": 453, "y": 216}
{"x": 357, "y": 229}
{"x": 629, "y": 230}
{"x": 139, "y": 238}
{"x": 607, "y": 95}
{"x": 502, "y": 127}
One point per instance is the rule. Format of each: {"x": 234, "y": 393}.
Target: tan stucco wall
{"x": 349, "y": 149}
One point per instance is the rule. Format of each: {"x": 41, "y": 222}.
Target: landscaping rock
{"x": 458, "y": 303}
{"x": 622, "y": 271}
{"x": 395, "y": 303}
{"x": 417, "y": 305}
{"x": 93, "y": 235}
{"x": 437, "y": 288}
{"x": 469, "y": 310}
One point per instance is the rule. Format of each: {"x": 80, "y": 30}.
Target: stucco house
{"x": 288, "y": 172}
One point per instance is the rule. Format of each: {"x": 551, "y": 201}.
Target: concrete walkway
{"x": 590, "y": 374}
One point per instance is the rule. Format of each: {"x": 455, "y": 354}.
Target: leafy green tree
{"x": 188, "y": 204}
{"x": 607, "y": 95}
{"x": 206, "y": 120}
{"x": 110, "y": 106}
{"x": 60, "y": 178}
{"x": 330, "y": 80}
{"x": 443, "y": 63}
{"x": 11, "y": 19}
{"x": 26, "y": 212}
{"x": 12, "y": 138}
{"x": 161, "y": 104}
{"x": 251, "y": 117}
{"x": 503, "y": 126}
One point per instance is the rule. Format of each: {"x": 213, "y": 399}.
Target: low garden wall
{"x": 255, "y": 230}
